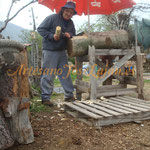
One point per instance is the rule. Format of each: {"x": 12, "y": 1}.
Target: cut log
{"x": 78, "y": 45}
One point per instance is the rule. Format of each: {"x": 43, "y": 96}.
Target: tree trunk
{"x": 14, "y": 93}
{"x": 16, "y": 115}
{"x": 6, "y": 140}
{"x": 78, "y": 45}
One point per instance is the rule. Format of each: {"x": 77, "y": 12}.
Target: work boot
{"x": 70, "y": 99}
{"x": 48, "y": 103}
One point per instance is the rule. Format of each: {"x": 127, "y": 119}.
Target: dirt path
{"x": 56, "y": 130}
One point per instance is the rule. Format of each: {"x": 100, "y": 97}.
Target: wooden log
{"x": 6, "y": 43}
{"x": 78, "y": 45}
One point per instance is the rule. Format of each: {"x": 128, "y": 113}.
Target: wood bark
{"x": 11, "y": 60}
{"x": 6, "y": 139}
{"x": 78, "y": 45}
{"x": 16, "y": 116}
{"x": 14, "y": 93}
{"x": 10, "y": 56}
{"x": 6, "y": 43}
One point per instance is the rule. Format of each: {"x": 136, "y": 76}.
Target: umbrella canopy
{"x": 89, "y": 7}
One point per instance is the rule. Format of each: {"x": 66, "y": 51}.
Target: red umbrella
{"x": 89, "y": 7}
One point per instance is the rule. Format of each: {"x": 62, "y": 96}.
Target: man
{"x": 54, "y": 52}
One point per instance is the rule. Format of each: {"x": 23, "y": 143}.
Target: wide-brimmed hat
{"x": 71, "y": 5}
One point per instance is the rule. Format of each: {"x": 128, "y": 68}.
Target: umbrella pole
{"x": 88, "y": 16}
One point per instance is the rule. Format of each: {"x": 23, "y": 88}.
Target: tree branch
{"x": 12, "y": 2}
{"x": 33, "y": 1}
{"x": 9, "y": 19}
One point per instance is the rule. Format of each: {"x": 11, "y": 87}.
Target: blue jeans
{"x": 55, "y": 63}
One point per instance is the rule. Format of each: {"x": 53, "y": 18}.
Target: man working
{"x": 54, "y": 52}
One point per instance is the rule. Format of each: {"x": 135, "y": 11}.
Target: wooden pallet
{"x": 109, "y": 111}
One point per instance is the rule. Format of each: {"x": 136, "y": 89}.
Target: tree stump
{"x": 14, "y": 94}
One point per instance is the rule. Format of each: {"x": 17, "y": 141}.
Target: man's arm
{"x": 71, "y": 31}
{"x": 44, "y": 28}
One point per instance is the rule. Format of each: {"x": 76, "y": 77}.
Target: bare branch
{"x": 33, "y": 1}
{"x": 143, "y": 7}
{"x": 12, "y": 2}
{"x": 9, "y": 19}
{"x": 112, "y": 19}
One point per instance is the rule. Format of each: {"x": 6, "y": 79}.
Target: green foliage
{"x": 56, "y": 82}
{"x": 36, "y": 106}
{"x": 28, "y": 36}
{"x": 72, "y": 59}
{"x": 37, "y": 88}
{"x": 55, "y": 95}
{"x": 146, "y": 81}
{"x": 34, "y": 39}
{"x": 107, "y": 22}
{"x": 101, "y": 24}
{"x": 73, "y": 77}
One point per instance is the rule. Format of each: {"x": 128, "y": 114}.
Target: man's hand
{"x": 67, "y": 35}
{"x": 56, "y": 37}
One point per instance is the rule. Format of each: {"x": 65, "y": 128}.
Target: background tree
{"x": 119, "y": 20}
{"x": 27, "y": 37}
{"x": 101, "y": 24}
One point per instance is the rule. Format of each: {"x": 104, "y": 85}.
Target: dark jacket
{"x": 47, "y": 30}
